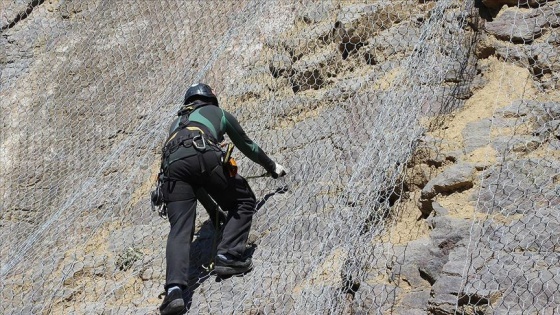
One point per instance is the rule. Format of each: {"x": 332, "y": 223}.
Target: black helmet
{"x": 200, "y": 91}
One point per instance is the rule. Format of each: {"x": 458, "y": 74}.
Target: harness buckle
{"x": 196, "y": 145}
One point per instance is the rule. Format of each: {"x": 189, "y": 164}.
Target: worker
{"x": 192, "y": 159}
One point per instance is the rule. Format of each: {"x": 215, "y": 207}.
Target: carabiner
{"x": 199, "y": 147}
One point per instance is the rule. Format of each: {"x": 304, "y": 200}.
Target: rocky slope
{"x": 447, "y": 204}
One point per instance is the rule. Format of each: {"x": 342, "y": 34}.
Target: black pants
{"x": 233, "y": 194}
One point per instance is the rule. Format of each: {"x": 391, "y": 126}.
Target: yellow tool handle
{"x": 229, "y": 150}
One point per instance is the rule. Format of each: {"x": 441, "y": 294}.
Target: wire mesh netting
{"x": 422, "y": 141}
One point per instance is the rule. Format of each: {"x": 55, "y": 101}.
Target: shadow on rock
{"x": 279, "y": 190}
{"x": 203, "y": 251}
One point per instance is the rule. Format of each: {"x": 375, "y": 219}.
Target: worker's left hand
{"x": 279, "y": 171}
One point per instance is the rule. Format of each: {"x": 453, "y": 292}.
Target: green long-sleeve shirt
{"x": 219, "y": 122}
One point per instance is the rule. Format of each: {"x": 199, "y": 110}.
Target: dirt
{"x": 506, "y": 83}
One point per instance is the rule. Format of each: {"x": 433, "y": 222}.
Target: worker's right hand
{"x": 279, "y": 171}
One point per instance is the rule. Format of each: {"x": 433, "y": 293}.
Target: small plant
{"x": 128, "y": 257}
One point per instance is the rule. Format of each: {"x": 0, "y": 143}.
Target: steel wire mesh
{"x": 421, "y": 139}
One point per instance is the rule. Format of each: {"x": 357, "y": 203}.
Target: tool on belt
{"x": 229, "y": 162}
{"x": 158, "y": 204}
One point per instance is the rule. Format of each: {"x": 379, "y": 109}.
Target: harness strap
{"x": 188, "y": 139}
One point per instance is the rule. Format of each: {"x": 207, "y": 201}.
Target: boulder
{"x": 516, "y": 26}
{"x": 455, "y": 178}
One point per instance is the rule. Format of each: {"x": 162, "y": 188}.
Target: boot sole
{"x": 231, "y": 271}
{"x": 175, "y": 307}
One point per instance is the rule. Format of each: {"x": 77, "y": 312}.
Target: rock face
{"x": 527, "y": 37}
{"x": 523, "y": 27}
{"x": 422, "y": 140}
{"x": 499, "y": 3}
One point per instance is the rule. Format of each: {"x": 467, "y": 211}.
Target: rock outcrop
{"x": 422, "y": 139}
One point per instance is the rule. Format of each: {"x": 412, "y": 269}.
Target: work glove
{"x": 278, "y": 171}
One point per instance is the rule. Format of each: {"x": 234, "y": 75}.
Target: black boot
{"x": 173, "y": 303}
{"x": 227, "y": 265}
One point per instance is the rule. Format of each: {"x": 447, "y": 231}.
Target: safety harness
{"x": 188, "y": 139}
{"x": 185, "y": 137}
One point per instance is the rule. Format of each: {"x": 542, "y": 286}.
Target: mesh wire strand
{"x": 345, "y": 94}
